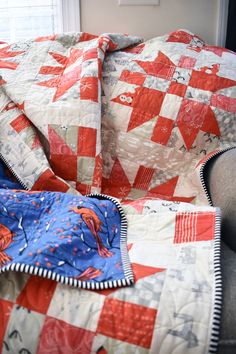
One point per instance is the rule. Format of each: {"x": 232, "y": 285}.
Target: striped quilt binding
{"x": 216, "y": 315}
{"x": 217, "y": 291}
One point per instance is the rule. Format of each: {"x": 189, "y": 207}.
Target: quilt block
{"x": 41, "y": 80}
{"x": 169, "y": 101}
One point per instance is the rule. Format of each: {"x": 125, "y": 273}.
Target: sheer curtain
{"x": 23, "y": 19}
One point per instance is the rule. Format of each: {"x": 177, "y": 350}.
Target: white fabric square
{"x": 77, "y": 307}
{"x": 170, "y": 106}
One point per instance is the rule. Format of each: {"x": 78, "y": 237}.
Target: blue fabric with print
{"x": 77, "y": 240}
{"x": 7, "y": 180}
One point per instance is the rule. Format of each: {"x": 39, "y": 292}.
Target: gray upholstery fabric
{"x": 227, "y": 344}
{"x": 220, "y": 178}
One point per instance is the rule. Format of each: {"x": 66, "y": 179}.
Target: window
{"x": 33, "y": 18}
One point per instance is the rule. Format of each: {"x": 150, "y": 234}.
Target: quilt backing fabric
{"x": 76, "y": 240}
{"x": 138, "y": 121}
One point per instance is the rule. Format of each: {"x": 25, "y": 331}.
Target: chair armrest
{"x": 220, "y": 178}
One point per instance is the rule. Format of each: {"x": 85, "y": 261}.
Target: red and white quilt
{"x": 82, "y": 113}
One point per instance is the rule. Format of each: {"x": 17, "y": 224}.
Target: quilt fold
{"x": 80, "y": 241}
{"x": 51, "y": 110}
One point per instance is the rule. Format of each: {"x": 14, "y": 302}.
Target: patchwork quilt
{"x": 118, "y": 118}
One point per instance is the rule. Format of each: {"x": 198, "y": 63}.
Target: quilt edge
{"x": 217, "y": 304}
{"x": 202, "y": 171}
{"x": 123, "y": 236}
{"x": 48, "y": 274}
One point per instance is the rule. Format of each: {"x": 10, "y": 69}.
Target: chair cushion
{"x": 227, "y": 344}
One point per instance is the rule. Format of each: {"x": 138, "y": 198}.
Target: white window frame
{"x": 70, "y": 11}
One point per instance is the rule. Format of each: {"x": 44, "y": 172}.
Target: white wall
{"x": 199, "y": 16}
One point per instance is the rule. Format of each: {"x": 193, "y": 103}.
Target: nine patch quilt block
{"x": 167, "y": 103}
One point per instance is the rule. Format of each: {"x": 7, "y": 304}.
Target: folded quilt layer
{"x": 79, "y": 241}
{"x": 173, "y": 306}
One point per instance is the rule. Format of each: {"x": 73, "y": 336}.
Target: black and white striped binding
{"x": 216, "y": 315}
{"x": 217, "y": 291}
{"x": 202, "y": 170}
{"x": 45, "y": 273}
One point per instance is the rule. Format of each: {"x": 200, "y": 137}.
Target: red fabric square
{"x": 37, "y": 294}
{"x": 5, "y": 312}
{"x": 180, "y": 36}
{"x": 146, "y": 104}
{"x": 177, "y": 89}
{"x": 224, "y": 102}
{"x": 20, "y": 123}
{"x": 118, "y": 183}
{"x": 87, "y": 142}
{"x": 89, "y": 88}
{"x": 83, "y": 188}
{"x": 161, "y": 66}
{"x": 132, "y": 77}
{"x": 47, "y": 181}
{"x": 209, "y": 82}
{"x": 64, "y": 166}
{"x": 164, "y": 71}
{"x": 114, "y": 190}
{"x": 162, "y": 130}
{"x": 205, "y": 226}
{"x": 90, "y": 54}
{"x": 148, "y": 100}
{"x": 57, "y": 143}
{"x": 143, "y": 178}
{"x": 193, "y": 227}
{"x": 166, "y": 189}
{"x": 187, "y": 62}
{"x": 60, "y": 337}
{"x": 190, "y": 120}
{"x": 127, "y": 322}
{"x": 84, "y": 37}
